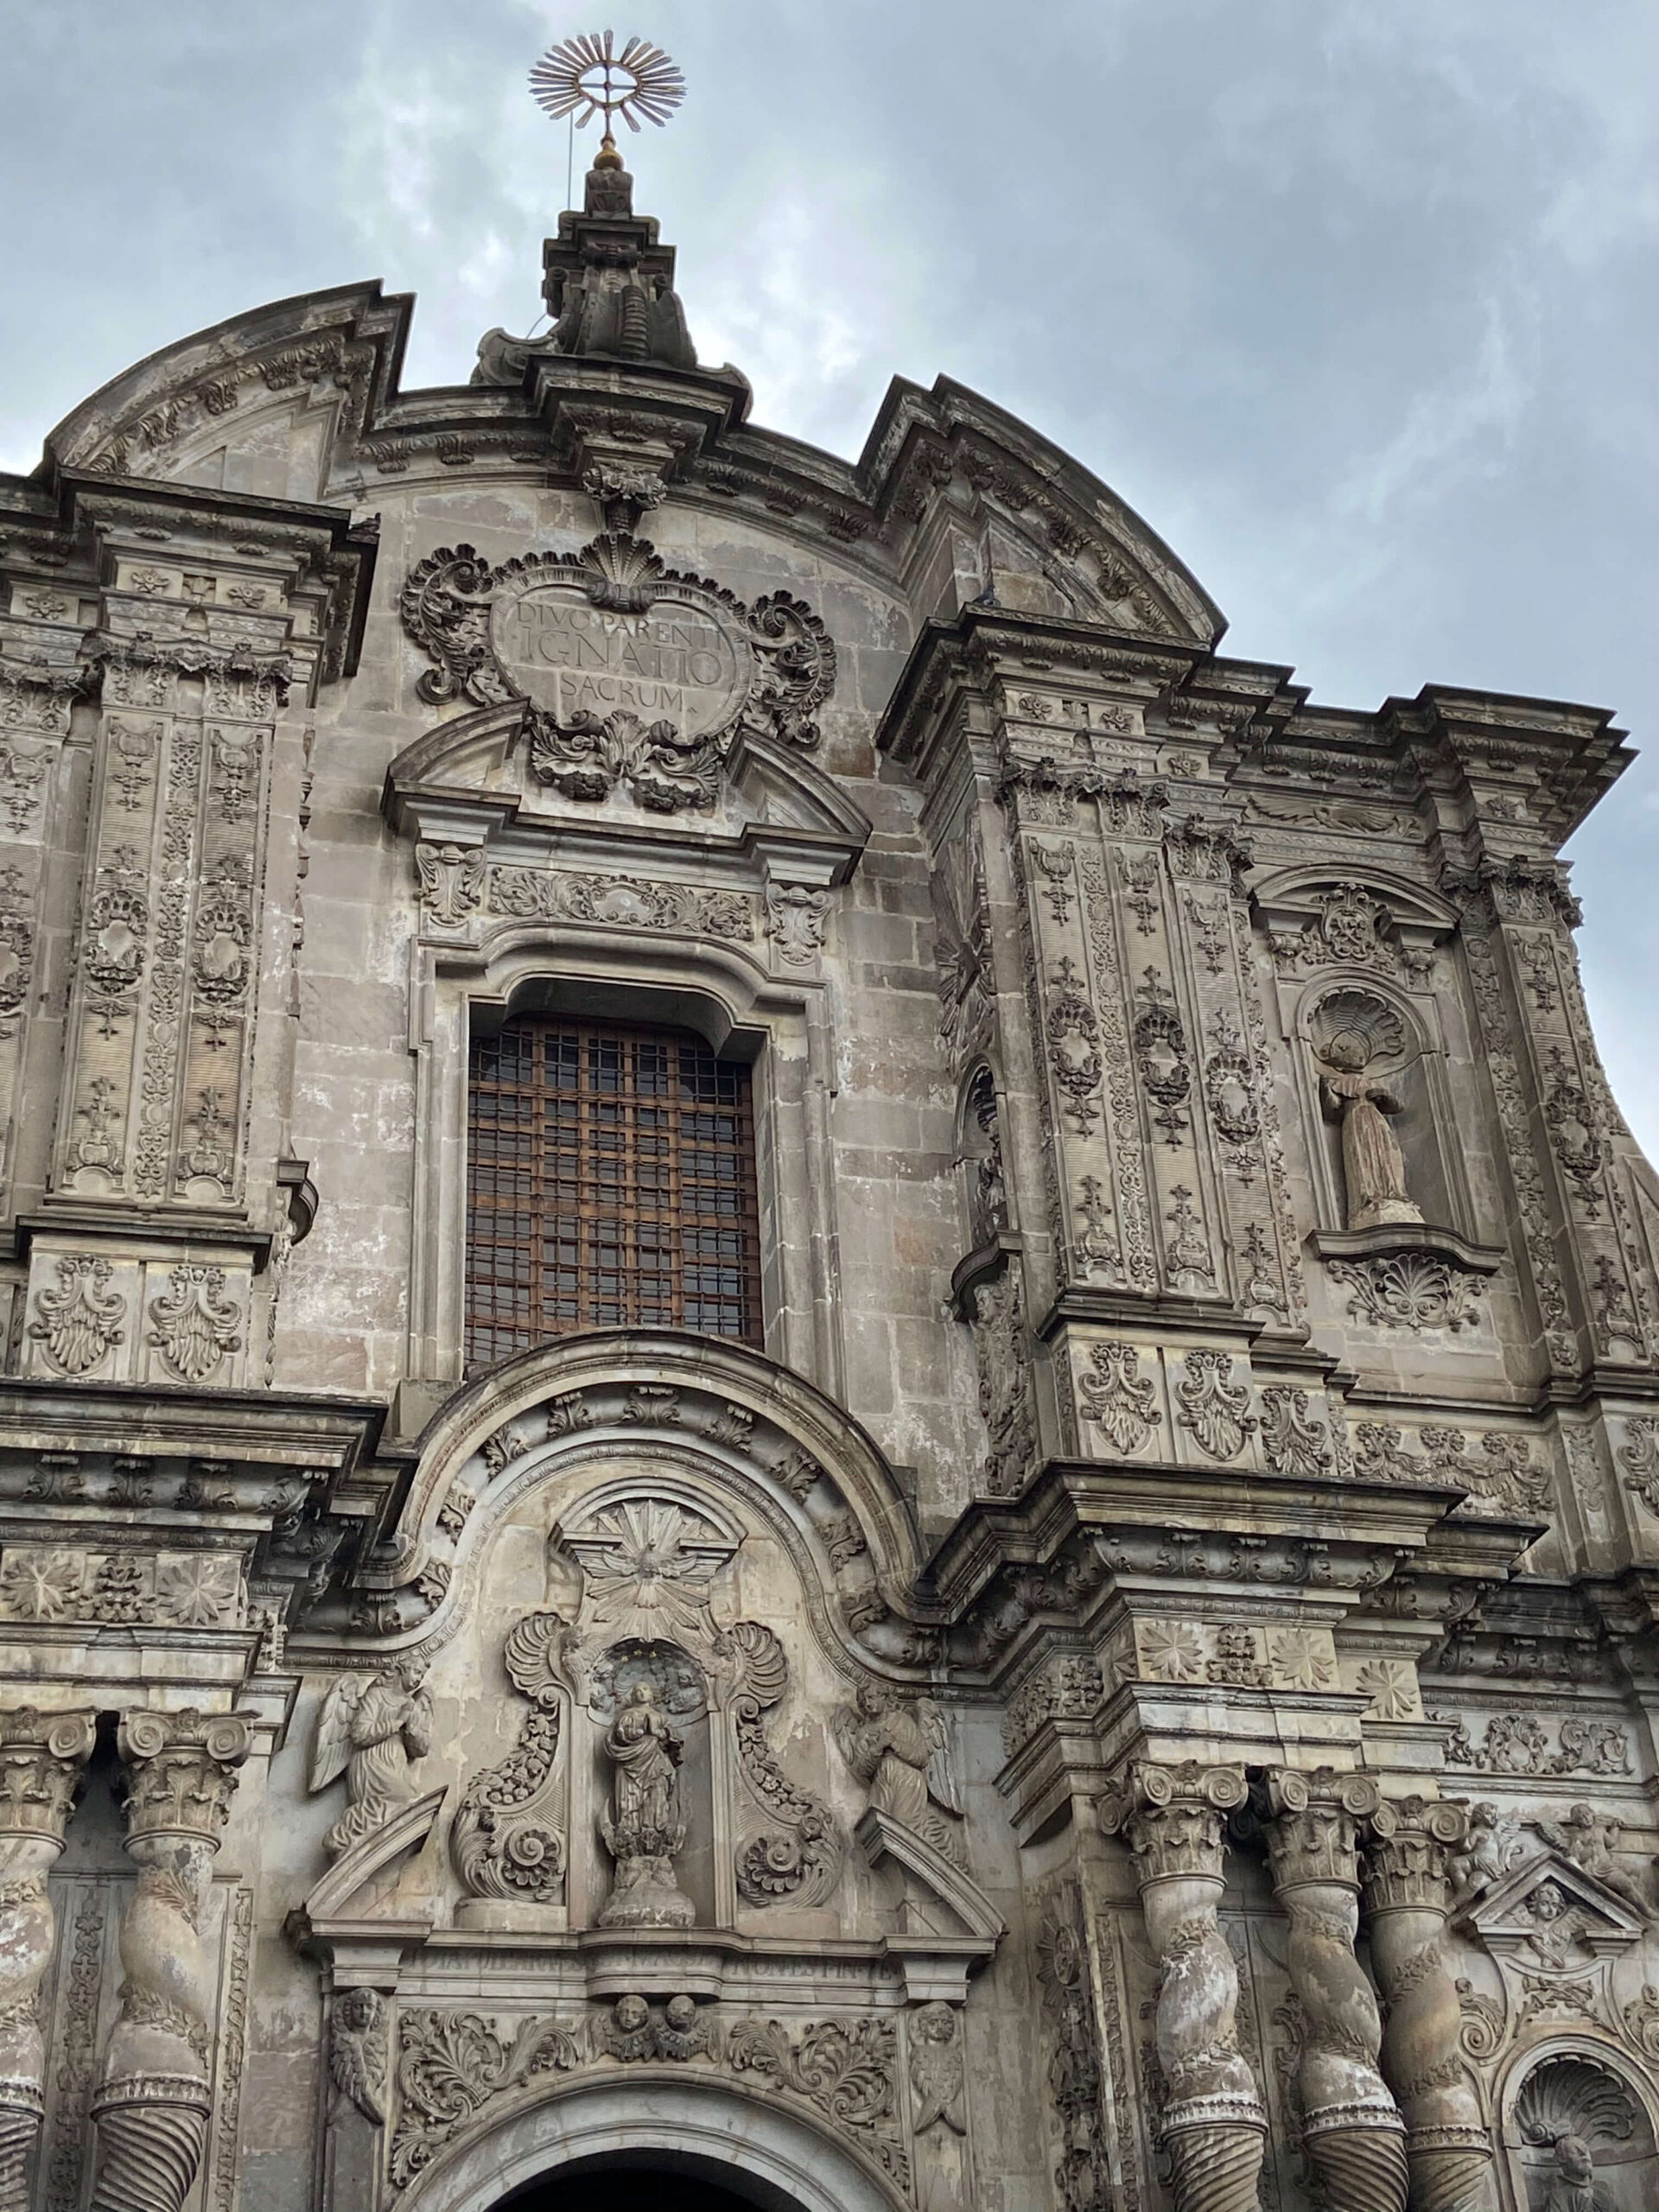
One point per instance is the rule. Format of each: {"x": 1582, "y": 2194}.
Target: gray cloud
{"x": 1354, "y": 300}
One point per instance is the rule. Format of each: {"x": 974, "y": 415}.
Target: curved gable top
{"x": 210, "y": 407}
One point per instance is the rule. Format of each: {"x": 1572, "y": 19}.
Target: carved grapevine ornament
{"x": 631, "y": 675}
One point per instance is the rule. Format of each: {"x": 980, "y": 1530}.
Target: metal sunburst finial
{"x": 586, "y": 76}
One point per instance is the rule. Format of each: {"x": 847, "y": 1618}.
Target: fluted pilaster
{"x": 154, "y": 2096}
{"x": 1212, "y": 2124}
{"x": 41, "y": 1756}
{"x": 1351, "y": 2129}
{"x": 1406, "y": 1894}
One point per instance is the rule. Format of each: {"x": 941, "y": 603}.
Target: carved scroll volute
{"x": 1213, "y": 2124}
{"x": 1406, "y": 1894}
{"x": 1352, "y": 2130}
{"x": 41, "y": 1756}
{"x": 507, "y": 1843}
{"x": 154, "y": 2095}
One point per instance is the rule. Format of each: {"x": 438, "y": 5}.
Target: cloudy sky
{"x": 1354, "y": 300}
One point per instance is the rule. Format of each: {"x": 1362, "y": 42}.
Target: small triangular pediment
{"x": 362, "y": 1886}
{"x": 1552, "y": 1892}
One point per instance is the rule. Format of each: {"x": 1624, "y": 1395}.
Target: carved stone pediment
{"x": 1550, "y": 1916}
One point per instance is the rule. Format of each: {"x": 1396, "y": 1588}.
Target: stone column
{"x": 1213, "y": 2125}
{"x": 41, "y": 1755}
{"x": 1406, "y": 1894}
{"x": 155, "y": 2093}
{"x": 1351, "y": 2130}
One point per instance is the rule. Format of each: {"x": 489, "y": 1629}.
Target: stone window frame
{"x": 781, "y": 1026}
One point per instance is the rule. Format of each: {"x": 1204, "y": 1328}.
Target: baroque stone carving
{"x": 847, "y": 2068}
{"x": 896, "y": 1746}
{"x": 1351, "y": 2130}
{"x": 359, "y": 2049}
{"x": 449, "y": 2066}
{"x": 452, "y": 881}
{"x": 1353, "y": 1032}
{"x": 800, "y": 1860}
{"x": 1519, "y": 1743}
{"x": 503, "y": 1843}
{"x": 1003, "y": 1355}
{"x": 1592, "y": 1842}
{"x": 1074, "y": 2072}
{"x": 1293, "y": 1441}
{"x": 1410, "y": 1290}
{"x": 1214, "y": 1407}
{"x": 1121, "y": 1401}
{"x": 195, "y": 1325}
{"x": 79, "y": 1321}
{"x": 42, "y": 1757}
{"x": 644, "y": 1827}
{"x": 373, "y": 1729}
{"x": 1214, "y": 2127}
{"x": 1448, "y": 2149}
{"x": 796, "y": 916}
{"x": 155, "y": 2093}
{"x": 626, "y": 901}
{"x": 630, "y": 674}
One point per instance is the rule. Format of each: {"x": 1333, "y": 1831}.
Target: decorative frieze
{"x": 622, "y": 901}
{"x": 138, "y": 1311}
{"x": 47, "y": 1582}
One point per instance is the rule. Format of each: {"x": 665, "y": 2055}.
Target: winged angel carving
{"x": 897, "y": 1747}
{"x": 631, "y": 674}
{"x": 373, "y": 1729}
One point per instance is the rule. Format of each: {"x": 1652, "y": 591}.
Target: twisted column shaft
{"x": 1351, "y": 2130}
{"x": 41, "y": 1756}
{"x": 1213, "y": 2124}
{"x": 154, "y": 2096}
{"x": 1406, "y": 1894}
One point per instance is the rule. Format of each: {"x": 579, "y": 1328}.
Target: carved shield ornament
{"x": 631, "y": 675}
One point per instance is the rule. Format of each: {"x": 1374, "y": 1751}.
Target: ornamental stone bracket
{"x": 1409, "y": 1275}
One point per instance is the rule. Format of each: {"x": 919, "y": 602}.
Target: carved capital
{"x": 41, "y": 1755}
{"x": 181, "y": 1773}
{"x": 1313, "y": 1828}
{"x": 1172, "y": 1817}
{"x": 1407, "y": 1858}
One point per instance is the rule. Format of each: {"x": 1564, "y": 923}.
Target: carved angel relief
{"x": 373, "y": 1729}
{"x": 896, "y": 1746}
{"x": 633, "y": 676}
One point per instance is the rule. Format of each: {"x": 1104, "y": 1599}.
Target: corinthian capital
{"x": 41, "y": 1755}
{"x": 1172, "y": 1817}
{"x": 1406, "y": 1857}
{"x": 1313, "y": 1828}
{"x": 181, "y": 1772}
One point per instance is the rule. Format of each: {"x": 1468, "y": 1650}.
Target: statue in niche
{"x": 373, "y": 1729}
{"x": 1352, "y": 1032}
{"x": 896, "y": 1746}
{"x": 644, "y": 1827}
{"x": 1573, "y": 2186}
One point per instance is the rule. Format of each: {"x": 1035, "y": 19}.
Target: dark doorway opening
{"x": 630, "y": 2188}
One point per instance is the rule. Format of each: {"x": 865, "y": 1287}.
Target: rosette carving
{"x": 1213, "y": 2125}
{"x": 800, "y": 1859}
{"x": 1408, "y": 1892}
{"x": 503, "y": 1843}
{"x": 1352, "y": 2133}
{"x": 154, "y": 2094}
{"x": 41, "y": 1756}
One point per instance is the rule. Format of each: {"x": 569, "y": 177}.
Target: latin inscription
{"x": 676, "y": 663}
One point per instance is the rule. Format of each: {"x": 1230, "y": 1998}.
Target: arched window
{"x": 610, "y": 1185}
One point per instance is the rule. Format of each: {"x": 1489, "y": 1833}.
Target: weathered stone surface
{"x": 1140, "y": 1690}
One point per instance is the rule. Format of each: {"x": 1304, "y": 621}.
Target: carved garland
{"x": 800, "y": 1861}
{"x": 500, "y": 1848}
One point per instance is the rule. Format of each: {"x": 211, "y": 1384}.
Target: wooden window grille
{"x": 610, "y": 1183}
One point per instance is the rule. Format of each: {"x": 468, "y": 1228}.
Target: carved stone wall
{"x": 1140, "y": 1690}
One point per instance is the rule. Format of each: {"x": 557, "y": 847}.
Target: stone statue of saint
{"x": 896, "y": 1746}
{"x": 644, "y": 1827}
{"x": 1573, "y": 2186}
{"x": 373, "y": 1729}
{"x": 1373, "y": 1167}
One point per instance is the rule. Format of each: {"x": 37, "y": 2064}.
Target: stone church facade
{"x": 819, "y": 1361}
